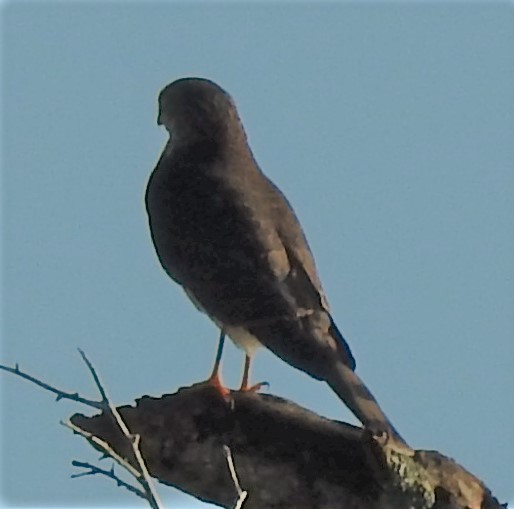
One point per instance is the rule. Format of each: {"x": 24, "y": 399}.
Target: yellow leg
{"x": 215, "y": 378}
{"x": 246, "y": 377}
{"x": 246, "y": 374}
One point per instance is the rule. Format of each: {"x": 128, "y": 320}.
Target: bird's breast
{"x": 243, "y": 339}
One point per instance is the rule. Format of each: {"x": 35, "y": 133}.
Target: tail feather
{"x": 357, "y": 397}
{"x": 344, "y": 348}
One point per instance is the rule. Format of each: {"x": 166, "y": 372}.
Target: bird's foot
{"x": 253, "y": 388}
{"x": 215, "y": 381}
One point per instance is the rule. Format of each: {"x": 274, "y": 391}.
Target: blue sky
{"x": 389, "y": 126}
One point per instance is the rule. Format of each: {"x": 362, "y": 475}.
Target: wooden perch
{"x": 285, "y": 456}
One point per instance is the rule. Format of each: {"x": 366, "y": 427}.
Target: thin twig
{"x": 105, "y": 447}
{"x": 241, "y": 494}
{"x": 144, "y": 478}
{"x": 60, "y": 394}
{"x": 106, "y": 402}
{"x": 93, "y": 470}
{"x": 141, "y": 475}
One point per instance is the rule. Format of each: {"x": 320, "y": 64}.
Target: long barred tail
{"x": 352, "y": 391}
{"x": 344, "y": 348}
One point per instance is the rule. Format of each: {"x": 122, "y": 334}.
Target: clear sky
{"x": 389, "y": 126}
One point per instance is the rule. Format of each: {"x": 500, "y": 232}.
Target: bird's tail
{"x": 352, "y": 391}
{"x": 344, "y": 348}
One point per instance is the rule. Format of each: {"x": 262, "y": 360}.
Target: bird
{"x": 226, "y": 234}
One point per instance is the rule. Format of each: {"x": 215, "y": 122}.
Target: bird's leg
{"x": 215, "y": 378}
{"x": 219, "y": 353}
{"x": 246, "y": 375}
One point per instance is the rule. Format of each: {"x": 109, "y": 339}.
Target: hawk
{"x": 228, "y": 236}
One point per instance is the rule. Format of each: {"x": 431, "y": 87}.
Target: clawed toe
{"x": 254, "y": 388}
{"x": 214, "y": 381}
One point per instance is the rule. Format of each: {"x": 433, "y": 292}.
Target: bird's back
{"x": 225, "y": 232}
{"x": 209, "y": 234}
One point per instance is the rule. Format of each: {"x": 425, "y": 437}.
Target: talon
{"x": 254, "y": 388}
{"x": 215, "y": 381}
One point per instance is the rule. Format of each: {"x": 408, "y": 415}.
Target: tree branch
{"x": 135, "y": 465}
{"x": 143, "y": 477}
{"x": 73, "y": 396}
{"x": 94, "y": 470}
{"x": 286, "y": 456}
{"x": 241, "y": 494}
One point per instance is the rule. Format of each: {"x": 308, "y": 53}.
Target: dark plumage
{"x": 225, "y": 233}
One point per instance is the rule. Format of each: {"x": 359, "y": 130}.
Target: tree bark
{"x": 285, "y": 456}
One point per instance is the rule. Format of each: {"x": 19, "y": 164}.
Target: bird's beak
{"x": 159, "y": 119}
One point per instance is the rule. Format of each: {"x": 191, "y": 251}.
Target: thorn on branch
{"x": 73, "y": 396}
{"x": 143, "y": 476}
{"x": 140, "y": 473}
{"x": 94, "y": 470}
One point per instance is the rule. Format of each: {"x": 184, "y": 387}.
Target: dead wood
{"x": 285, "y": 456}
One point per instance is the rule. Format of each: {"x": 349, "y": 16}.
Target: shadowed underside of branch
{"x": 284, "y": 456}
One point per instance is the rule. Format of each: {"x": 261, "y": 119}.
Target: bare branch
{"x": 98, "y": 443}
{"x": 141, "y": 472}
{"x": 106, "y": 404}
{"x": 144, "y": 477}
{"x": 285, "y": 456}
{"x": 60, "y": 394}
{"x": 93, "y": 470}
{"x": 240, "y": 493}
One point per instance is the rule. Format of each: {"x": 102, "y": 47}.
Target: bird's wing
{"x": 233, "y": 242}
{"x": 302, "y": 280}
{"x": 300, "y": 284}
{"x": 303, "y": 269}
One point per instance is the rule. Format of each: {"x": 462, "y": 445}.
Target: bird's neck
{"x": 223, "y": 142}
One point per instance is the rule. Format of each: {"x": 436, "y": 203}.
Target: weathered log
{"x": 285, "y": 456}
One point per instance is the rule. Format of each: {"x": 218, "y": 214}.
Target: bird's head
{"x": 197, "y": 108}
